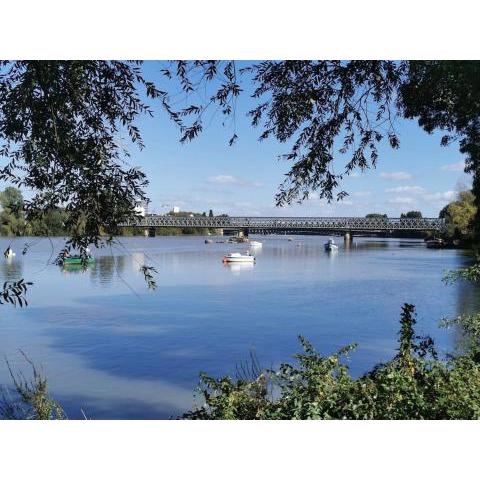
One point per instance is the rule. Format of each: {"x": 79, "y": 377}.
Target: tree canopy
{"x": 411, "y": 214}
{"x": 460, "y": 215}
{"x": 63, "y": 126}
{"x": 12, "y": 221}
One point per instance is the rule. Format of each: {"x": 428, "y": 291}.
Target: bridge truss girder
{"x": 339, "y": 224}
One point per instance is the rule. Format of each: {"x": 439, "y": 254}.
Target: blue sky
{"x": 243, "y": 179}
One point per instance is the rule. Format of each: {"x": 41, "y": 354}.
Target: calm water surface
{"x": 116, "y": 350}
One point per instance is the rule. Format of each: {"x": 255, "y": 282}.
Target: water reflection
{"x": 75, "y": 269}
{"x": 332, "y": 255}
{"x": 11, "y": 269}
{"x": 371, "y": 245}
{"x": 137, "y": 356}
{"x": 238, "y": 268}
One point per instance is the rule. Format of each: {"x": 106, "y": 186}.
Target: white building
{"x": 176, "y": 209}
{"x": 141, "y": 208}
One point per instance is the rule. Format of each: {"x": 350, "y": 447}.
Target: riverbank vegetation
{"x": 14, "y": 221}
{"x": 415, "y": 384}
{"x": 460, "y": 217}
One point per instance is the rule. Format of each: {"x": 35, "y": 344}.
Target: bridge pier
{"x": 348, "y": 237}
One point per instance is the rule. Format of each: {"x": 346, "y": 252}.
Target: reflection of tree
{"x": 74, "y": 269}
{"x": 106, "y": 269}
{"x": 11, "y": 269}
{"x": 467, "y": 302}
{"x": 370, "y": 245}
{"x": 120, "y": 262}
{"x": 468, "y": 298}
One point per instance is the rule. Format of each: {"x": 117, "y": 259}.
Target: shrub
{"x": 415, "y": 384}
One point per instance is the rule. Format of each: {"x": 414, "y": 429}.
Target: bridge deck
{"x": 351, "y": 224}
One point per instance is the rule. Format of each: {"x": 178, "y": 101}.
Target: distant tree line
{"x": 14, "y": 222}
{"x": 53, "y": 222}
{"x": 459, "y": 217}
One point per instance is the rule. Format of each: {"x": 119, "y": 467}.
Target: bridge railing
{"x": 322, "y": 223}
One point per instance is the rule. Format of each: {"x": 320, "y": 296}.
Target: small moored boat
{"x": 435, "y": 243}
{"x": 77, "y": 260}
{"x": 330, "y": 246}
{"x": 255, "y": 244}
{"x": 238, "y": 258}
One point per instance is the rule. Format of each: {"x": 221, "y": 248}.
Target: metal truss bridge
{"x": 327, "y": 224}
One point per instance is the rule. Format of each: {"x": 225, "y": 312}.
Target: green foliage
{"x": 469, "y": 274}
{"x": 32, "y": 401}
{"x": 444, "y": 95}
{"x": 376, "y": 215}
{"x": 412, "y": 214}
{"x": 51, "y": 222}
{"x": 60, "y": 128}
{"x": 14, "y": 222}
{"x": 468, "y": 323}
{"x": 14, "y": 293}
{"x": 12, "y": 199}
{"x": 413, "y": 385}
{"x": 185, "y": 214}
{"x": 148, "y": 275}
{"x": 12, "y": 217}
{"x": 460, "y": 215}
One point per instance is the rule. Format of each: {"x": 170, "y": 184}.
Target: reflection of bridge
{"x": 347, "y": 225}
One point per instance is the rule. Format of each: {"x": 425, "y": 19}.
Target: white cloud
{"x": 447, "y": 196}
{"x": 361, "y": 193}
{"x": 396, "y": 176}
{"x": 406, "y": 189}
{"x": 402, "y": 201}
{"x": 231, "y": 180}
{"x": 454, "y": 167}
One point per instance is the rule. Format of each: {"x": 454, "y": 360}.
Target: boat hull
{"x": 76, "y": 261}
{"x": 239, "y": 260}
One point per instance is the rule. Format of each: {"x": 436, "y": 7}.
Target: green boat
{"x": 77, "y": 260}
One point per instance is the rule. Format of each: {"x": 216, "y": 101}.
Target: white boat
{"x": 9, "y": 253}
{"x": 239, "y": 258}
{"x": 330, "y": 246}
{"x": 254, "y": 243}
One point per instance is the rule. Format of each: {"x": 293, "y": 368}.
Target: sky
{"x": 242, "y": 179}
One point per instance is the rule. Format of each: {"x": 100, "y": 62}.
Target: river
{"x": 112, "y": 349}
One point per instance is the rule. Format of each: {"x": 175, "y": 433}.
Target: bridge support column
{"x": 145, "y": 232}
{"x": 347, "y": 238}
